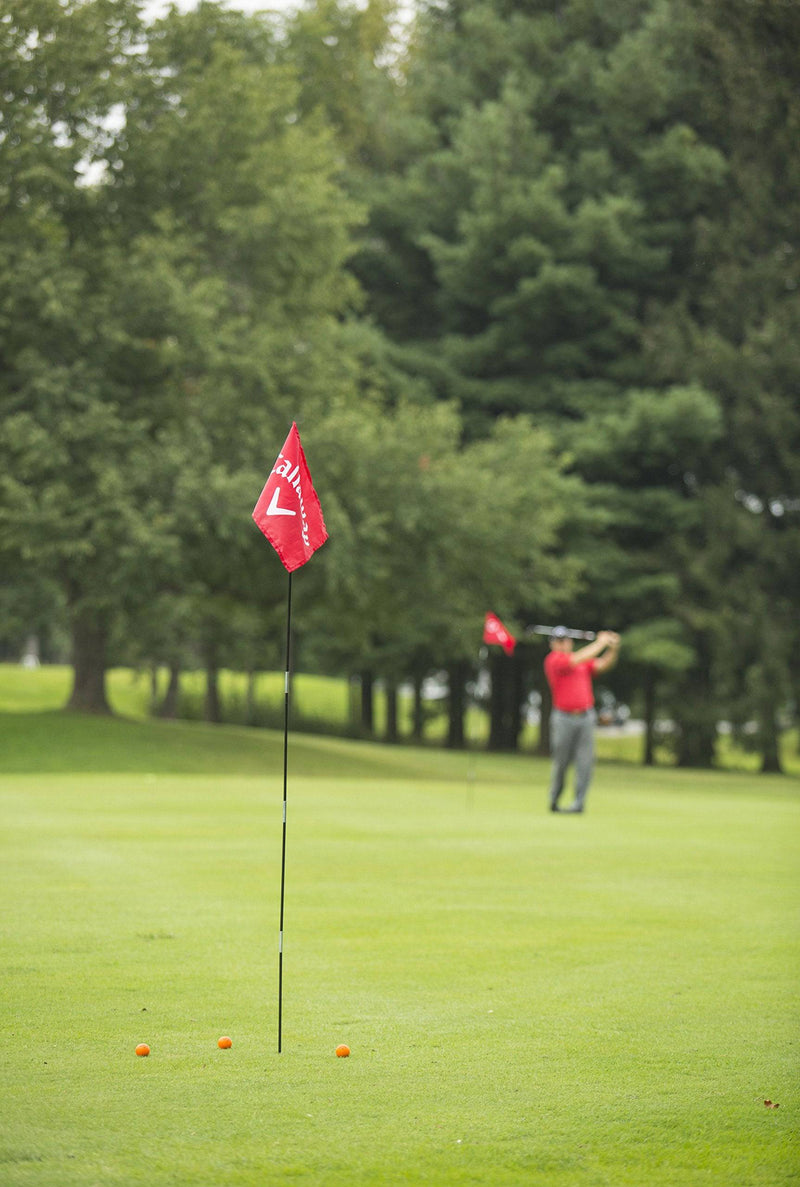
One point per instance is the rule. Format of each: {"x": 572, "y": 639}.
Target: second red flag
{"x": 495, "y": 632}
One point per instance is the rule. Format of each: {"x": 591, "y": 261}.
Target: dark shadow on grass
{"x": 63, "y": 742}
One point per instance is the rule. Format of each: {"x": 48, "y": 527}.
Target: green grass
{"x": 529, "y": 999}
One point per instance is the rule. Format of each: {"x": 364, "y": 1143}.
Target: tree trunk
{"x": 545, "y": 709}
{"x": 515, "y": 709}
{"x": 153, "y": 689}
{"x": 695, "y": 712}
{"x": 649, "y": 718}
{"x": 456, "y": 704}
{"x": 89, "y": 642}
{"x": 495, "y": 703}
{"x": 697, "y": 737}
{"x": 392, "y": 730}
{"x": 418, "y": 717}
{"x": 169, "y": 706}
{"x": 367, "y": 704}
{"x": 502, "y": 734}
{"x": 770, "y": 740}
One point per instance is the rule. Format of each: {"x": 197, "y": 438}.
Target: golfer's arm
{"x": 606, "y": 661}
{"x": 590, "y": 651}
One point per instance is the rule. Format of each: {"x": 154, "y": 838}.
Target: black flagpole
{"x": 285, "y": 783}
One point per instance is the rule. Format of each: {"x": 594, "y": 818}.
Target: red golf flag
{"x": 288, "y": 510}
{"x": 495, "y": 632}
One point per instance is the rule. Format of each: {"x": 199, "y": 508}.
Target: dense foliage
{"x": 526, "y": 275}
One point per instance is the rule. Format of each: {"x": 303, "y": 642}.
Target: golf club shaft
{"x": 548, "y": 630}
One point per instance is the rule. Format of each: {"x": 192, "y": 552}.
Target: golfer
{"x": 569, "y": 674}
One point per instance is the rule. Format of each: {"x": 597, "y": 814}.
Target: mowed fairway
{"x": 528, "y": 998}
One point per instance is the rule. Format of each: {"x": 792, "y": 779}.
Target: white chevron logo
{"x": 274, "y": 509}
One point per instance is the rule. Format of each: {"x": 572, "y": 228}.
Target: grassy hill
{"x": 319, "y": 703}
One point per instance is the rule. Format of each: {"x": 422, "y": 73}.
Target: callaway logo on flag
{"x": 288, "y": 511}
{"x": 495, "y": 632}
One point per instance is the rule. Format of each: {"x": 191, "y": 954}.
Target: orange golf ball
{"x": 343, "y": 1050}
{"x": 143, "y": 1049}
{"x": 224, "y": 1042}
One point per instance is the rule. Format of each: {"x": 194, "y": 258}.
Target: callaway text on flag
{"x": 495, "y": 632}
{"x": 288, "y": 510}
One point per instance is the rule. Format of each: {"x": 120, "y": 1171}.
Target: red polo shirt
{"x": 570, "y": 684}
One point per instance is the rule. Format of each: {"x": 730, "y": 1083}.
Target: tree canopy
{"x": 526, "y": 276}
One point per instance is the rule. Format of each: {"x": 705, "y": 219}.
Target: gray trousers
{"x": 571, "y": 741}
